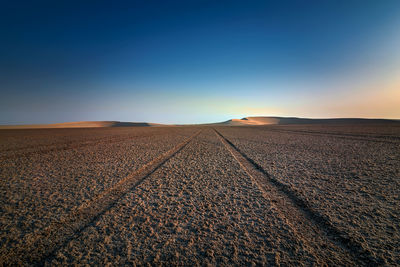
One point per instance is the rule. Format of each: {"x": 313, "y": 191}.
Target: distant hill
{"x": 81, "y": 124}
{"x": 247, "y": 121}
{"x": 293, "y": 120}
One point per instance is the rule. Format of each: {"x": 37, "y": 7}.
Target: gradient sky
{"x": 198, "y": 61}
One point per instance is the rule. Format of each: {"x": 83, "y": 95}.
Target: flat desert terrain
{"x": 322, "y": 195}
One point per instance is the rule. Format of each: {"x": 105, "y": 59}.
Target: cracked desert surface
{"x": 312, "y": 195}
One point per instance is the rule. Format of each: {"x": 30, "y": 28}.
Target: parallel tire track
{"x": 308, "y": 223}
{"x": 45, "y": 244}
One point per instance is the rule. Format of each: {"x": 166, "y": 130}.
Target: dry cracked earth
{"x": 311, "y": 195}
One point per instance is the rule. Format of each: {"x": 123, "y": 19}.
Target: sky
{"x": 198, "y": 61}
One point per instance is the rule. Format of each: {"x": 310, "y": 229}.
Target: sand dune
{"x": 251, "y": 121}
{"x": 247, "y": 121}
{"x": 81, "y": 124}
{"x": 294, "y": 120}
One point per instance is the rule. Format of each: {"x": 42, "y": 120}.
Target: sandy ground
{"x": 42, "y": 187}
{"x": 350, "y": 177}
{"x": 306, "y": 195}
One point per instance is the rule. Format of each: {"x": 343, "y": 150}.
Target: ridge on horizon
{"x": 245, "y": 121}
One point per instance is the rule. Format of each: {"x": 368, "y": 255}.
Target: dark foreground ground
{"x": 265, "y": 195}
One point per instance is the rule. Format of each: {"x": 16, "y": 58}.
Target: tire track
{"x": 308, "y": 224}
{"x": 40, "y": 246}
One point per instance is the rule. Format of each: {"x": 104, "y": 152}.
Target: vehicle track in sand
{"x": 204, "y": 199}
{"x": 42, "y": 245}
{"x": 199, "y": 208}
{"x": 309, "y": 224}
{"x": 35, "y": 191}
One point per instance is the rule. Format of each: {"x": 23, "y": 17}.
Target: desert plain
{"x": 274, "y": 195}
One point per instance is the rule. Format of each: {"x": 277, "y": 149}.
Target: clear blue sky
{"x": 197, "y": 61}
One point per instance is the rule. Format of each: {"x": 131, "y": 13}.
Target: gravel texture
{"x": 269, "y": 195}
{"x": 38, "y": 189}
{"x": 353, "y": 183}
{"x": 198, "y": 208}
